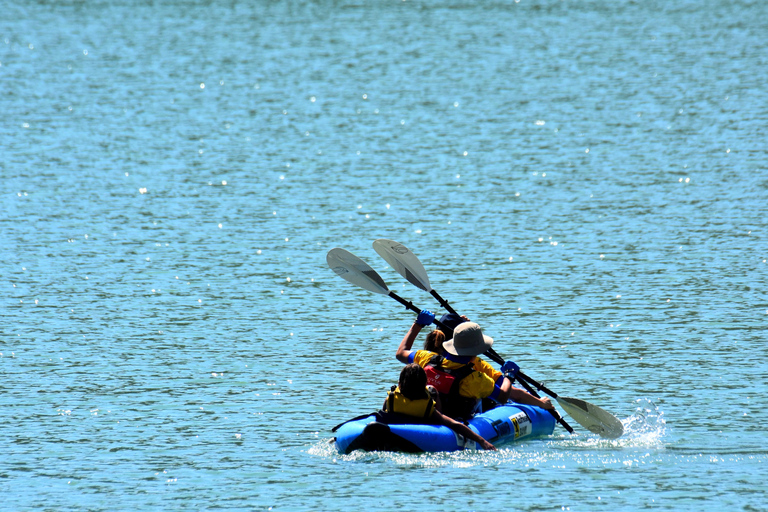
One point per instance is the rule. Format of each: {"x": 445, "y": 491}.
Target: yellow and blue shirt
{"x": 479, "y": 384}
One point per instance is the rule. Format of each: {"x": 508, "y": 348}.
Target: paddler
{"x": 412, "y": 398}
{"x": 460, "y": 377}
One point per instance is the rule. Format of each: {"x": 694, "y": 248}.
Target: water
{"x": 586, "y": 180}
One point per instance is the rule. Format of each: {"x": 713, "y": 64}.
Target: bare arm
{"x": 404, "y": 350}
{"x": 506, "y": 388}
{"x": 463, "y": 430}
{"x": 508, "y": 391}
{"x": 523, "y": 397}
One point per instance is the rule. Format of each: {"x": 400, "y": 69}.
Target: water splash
{"x": 647, "y": 426}
{"x": 533, "y": 453}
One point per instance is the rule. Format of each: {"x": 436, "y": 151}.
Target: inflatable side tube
{"x": 348, "y": 432}
{"x": 513, "y": 422}
{"x": 503, "y": 424}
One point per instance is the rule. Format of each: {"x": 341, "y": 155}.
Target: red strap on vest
{"x": 440, "y": 380}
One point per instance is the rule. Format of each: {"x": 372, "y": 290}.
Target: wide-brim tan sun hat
{"x": 468, "y": 340}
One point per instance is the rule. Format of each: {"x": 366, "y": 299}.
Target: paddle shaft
{"x": 526, "y": 383}
{"x": 409, "y": 305}
{"x": 540, "y": 387}
{"x": 443, "y": 302}
{"x": 353, "y": 269}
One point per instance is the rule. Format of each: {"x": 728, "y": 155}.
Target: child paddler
{"x": 412, "y": 398}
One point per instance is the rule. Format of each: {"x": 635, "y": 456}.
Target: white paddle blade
{"x": 351, "y": 268}
{"x": 404, "y": 262}
{"x": 593, "y": 418}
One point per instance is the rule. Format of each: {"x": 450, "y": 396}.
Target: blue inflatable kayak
{"x": 503, "y": 424}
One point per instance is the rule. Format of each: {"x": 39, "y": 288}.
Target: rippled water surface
{"x": 587, "y": 180}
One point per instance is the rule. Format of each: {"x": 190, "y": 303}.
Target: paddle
{"x": 408, "y": 265}
{"x": 593, "y": 418}
{"x": 590, "y": 416}
{"x": 351, "y": 268}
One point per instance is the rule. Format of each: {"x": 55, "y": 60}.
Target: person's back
{"x": 453, "y": 374}
{"x": 458, "y": 384}
{"x": 410, "y": 397}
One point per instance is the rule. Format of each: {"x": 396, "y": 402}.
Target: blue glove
{"x": 511, "y": 368}
{"x": 425, "y": 318}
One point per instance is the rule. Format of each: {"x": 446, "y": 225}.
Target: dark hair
{"x": 451, "y": 321}
{"x": 413, "y": 382}
{"x": 435, "y": 341}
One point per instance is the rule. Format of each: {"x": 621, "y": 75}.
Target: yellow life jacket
{"x": 398, "y": 403}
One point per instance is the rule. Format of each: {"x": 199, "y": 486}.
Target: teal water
{"x": 587, "y": 180}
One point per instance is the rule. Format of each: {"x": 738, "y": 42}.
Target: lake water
{"x": 586, "y": 180}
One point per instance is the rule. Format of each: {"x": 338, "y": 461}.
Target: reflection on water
{"x": 586, "y": 181}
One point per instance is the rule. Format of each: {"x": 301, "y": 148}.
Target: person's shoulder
{"x": 452, "y": 365}
{"x": 422, "y": 357}
{"x": 481, "y": 376}
{"x": 484, "y": 374}
{"x": 479, "y": 363}
{"x": 485, "y": 367}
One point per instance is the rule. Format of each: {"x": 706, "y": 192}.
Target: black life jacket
{"x": 447, "y": 383}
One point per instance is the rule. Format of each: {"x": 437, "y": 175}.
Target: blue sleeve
{"x": 411, "y": 356}
{"x": 500, "y": 381}
{"x": 495, "y": 394}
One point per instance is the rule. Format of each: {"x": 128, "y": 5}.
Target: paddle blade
{"x": 593, "y": 418}
{"x": 351, "y": 268}
{"x": 404, "y": 262}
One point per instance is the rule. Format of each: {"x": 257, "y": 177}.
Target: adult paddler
{"x": 454, "y": 374}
